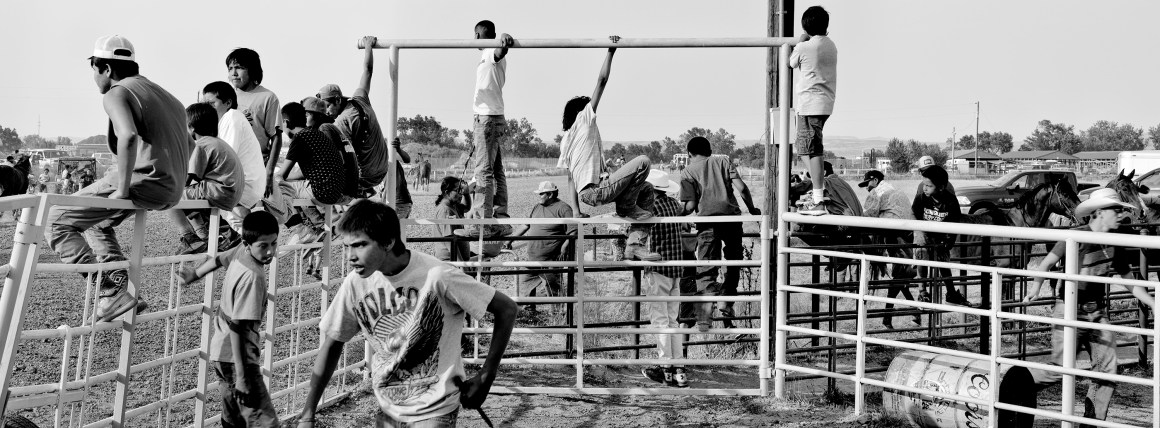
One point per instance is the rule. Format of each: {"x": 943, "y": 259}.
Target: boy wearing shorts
{"x": 215, "y": 175}
{"x": 816, "y": 59}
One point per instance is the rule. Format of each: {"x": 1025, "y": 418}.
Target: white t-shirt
{"x": 264, "y": 109}
{"x": 234, "y": 129}
{"x": 581, "y": 150}
{"x": 490, "y": 76}
{"x": 414, "y": 321}
{"x": 816, "y": 82}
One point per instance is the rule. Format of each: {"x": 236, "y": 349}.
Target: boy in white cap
{"x": 550, "y": 206}
{"x": 1106, "y": 210}
{"x": 665, "y": 240}
{"x": 816, "y": 59}
{"x": 148, "y": 136}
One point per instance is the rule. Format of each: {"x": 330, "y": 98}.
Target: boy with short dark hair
{"x": 236, "y": 131}
{"x": 816, "y": 59}
{"x": 257, "y": 104}
{"x": 411, "y": 309}
{"x": 319, "y": 177}
{"x": 707, "y": 189}
{"x": 235, "y": 347}
{"x": 215, "y": 175}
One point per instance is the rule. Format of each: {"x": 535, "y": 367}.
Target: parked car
{"x": 1005, "y": 190}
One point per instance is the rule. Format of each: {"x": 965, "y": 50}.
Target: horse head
{"x": 1055, "y": 196}
{"x": 1129, "y": 191}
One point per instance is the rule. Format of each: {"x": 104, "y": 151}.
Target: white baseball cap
{"x": 114, "y": 47}
{"x": 925, "y": 161}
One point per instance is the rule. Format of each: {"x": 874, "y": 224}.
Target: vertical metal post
{"x": 203, "y": 362}
{"x": 985, "y": 296}
{"x": 996, "y": 347}
{"x": 392, "y": 127}
{"x": 125, "y": 359}
{"x": 1069, "y": 333}
{"x": 763, "y": 286}
{"x": 271, "y": 313}
{"x": 579, "y": 311}
{"x": 782, "y": 227}
{"x": 23, "y": 260}
{"x": 815, "y": 299}
{"x": 636, "y": 280}
{"x": 860, "y": 364}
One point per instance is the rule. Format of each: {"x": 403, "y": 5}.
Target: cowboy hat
{"x": 1101, "y": 199}
{"x": 660, "y": 181}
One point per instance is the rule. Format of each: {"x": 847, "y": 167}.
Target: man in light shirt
{"x": 490, "y": 128}
{"x": 235, "y": 130}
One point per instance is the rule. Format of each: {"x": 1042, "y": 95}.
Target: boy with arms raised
{"x": 816, "y": 59}
{"x": 411, "y": 309}
{"x": 488, "y": 132}
{"x": 215, "y": 175}
{"x": 235, "y": 346}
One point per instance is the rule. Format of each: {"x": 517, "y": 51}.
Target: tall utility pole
{"x": 780, "y": 24}
{"x": 953, "y": 136}
{"x": 976, "y": 137}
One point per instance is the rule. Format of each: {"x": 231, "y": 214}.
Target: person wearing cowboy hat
{"x": 1106, "y": 211}
{"x": 550, "y": 206}
{"x": 885, "y": 201}
{"x": 664, "y": 281}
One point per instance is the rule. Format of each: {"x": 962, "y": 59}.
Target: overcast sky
{"x": 909, "y": 69}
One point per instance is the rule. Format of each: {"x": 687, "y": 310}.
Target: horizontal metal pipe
{"x": 688, "y": 42}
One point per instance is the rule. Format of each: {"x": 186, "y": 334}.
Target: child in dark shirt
{"x": 938, "y": 204}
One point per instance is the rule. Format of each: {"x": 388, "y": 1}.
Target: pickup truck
{"x": 1005, "y": 190}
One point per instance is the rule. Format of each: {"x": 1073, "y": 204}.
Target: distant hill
{"x": 842, "y": 146}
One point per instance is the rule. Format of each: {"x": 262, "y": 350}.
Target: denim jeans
{"x": 628, "y": 188}
{"x": 1101, "y": 345}
{"x": 251, "y": 410}
{"x": 490, "y": 197}
{"x": 441, "y": 421}
{"x": 664, "y": 314}
{"x": 69, "y": 225}
{"x": 713, "y": 241}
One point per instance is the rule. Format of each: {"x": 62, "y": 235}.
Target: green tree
{"x": 670, "y": 147}
{"x": 751, "y": 156}
{"x": 1154, "y": 135}
{"x": 1053, "y": 136}
{"x": 996, "y": 142}
{"x": 1105, "y": 135}
{"x": 900, "y": 157}
{"x": 9, "y": 140}
{"x": 426, "y": 130}
{"x": 525, "y": 142}
{"x": 722, "y": 142}
{"x": 33, "y": 141}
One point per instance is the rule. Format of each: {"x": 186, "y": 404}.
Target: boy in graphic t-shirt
{"x": 235, "y": 346}
{"x": 411, "y": 309}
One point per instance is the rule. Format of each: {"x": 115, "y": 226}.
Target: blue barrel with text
{"x": 954, "y": 375}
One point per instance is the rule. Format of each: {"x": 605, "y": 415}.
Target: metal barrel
{"x": 954, "y": 375}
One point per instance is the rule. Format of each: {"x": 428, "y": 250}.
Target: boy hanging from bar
{"x": 411, "y": 308}
{"x": 582, "y": 152}
{"x": 235, "y": 346}
{"x": 816, "y": 59}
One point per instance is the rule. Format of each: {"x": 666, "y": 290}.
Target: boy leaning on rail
{"x": 411, "y": 308}
{"x": 1106, "y": 210}
{"x": 148, "y": 136}
{"x": 235, "y": 346}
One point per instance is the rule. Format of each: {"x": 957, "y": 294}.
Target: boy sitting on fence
{"x": 215, "y": 174}
{"x": 411, "y": 309}
{"x": 235, "y": 346}
{"x": 320, "y": 176}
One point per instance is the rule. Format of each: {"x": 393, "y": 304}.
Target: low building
{"x": 975, "y": 161}
{"x": 1102, "y": 162}
{"x": 1039, "y": 159}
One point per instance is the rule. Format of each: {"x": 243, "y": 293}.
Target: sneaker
{"x": 112, "y": 306}
{"x": 680, "y": 378}
{"x": 191, "y": 244}
{"x": 923, "y": 296}
{"x": 228, "y": 239}
{"x": 658, "y": 374}
{"x": 810, "y": 207}
{"x": 637, "y": 251}
{"x": 955, "y": 298}
{"x": 294, "y": 220}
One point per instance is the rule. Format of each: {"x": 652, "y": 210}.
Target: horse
{"x": 1147, "y": 208}
{"x": 14, "y": 178}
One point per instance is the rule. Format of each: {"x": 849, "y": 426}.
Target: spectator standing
{"x": 665, "y": 281}
{"x": 885, "y": 201}
{"x": 550, "y": 206}
{"x": 938, "y": 204}
{"x": 707, "y": 189}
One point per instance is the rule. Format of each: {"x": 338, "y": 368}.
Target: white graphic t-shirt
{"x": 414, "y": 321}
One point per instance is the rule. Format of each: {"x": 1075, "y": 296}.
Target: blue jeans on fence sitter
{"x": 442, "y": 421}
{"x": 628, "y": 188}
{"x": 1101, "y": 346}
{"x": 491, "y": 198}
{"x": 69, "y": 225}
{"x": 250, "y": 410}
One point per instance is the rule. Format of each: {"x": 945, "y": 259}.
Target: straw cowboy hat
{"x": 660, "y": 181}
{"x": 1101, "y": 199}
{"x": 547, "y": 186}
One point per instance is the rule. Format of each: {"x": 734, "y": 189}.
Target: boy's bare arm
{"x": 328, "y": 355}
{"x": 746, "y": 196}
{"x": 190, "y": 276}
{"x": 1036, "y": 283}
{"x": 505, "y": 41}
{"x": 474, "y": 391}
{"x": 275, "y": 149}
{"x": 364, "y": 82}
{"x": 605, "y": 71}
{"x": 116, "y": 105}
